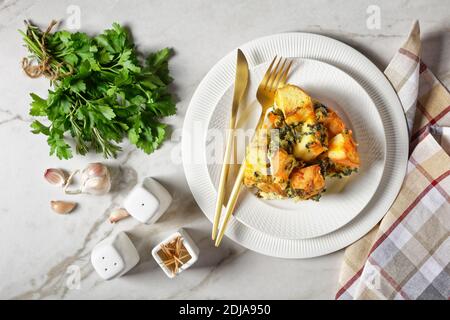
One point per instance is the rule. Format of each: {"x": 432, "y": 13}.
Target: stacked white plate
{"x": 343, "y": 79}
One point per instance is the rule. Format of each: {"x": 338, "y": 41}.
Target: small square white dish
{"x": 188, "y": 243}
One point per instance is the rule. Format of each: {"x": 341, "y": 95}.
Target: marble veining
{"x": 40, "y": 250}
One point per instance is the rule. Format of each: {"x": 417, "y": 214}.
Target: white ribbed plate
{"x": 311, "y": 46}
{"x": 345, "y": 198}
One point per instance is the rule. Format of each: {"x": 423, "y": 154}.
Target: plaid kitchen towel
{"x": 407, "y": 255}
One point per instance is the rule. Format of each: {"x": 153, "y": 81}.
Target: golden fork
{"x": 274, "y": 78}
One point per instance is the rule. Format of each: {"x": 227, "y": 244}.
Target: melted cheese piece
{"x": 310, "y": 145}
{"x": 281, "y": 164}
{"x": 331, "y": 121}
{"x": 308, "y": 180}
{"x": 256, "y": 163}
{"x": 342, "y": 150}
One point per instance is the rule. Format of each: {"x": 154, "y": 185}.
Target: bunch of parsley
{"x": 101, "y": 91}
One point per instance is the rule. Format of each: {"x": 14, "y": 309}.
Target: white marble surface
{"x": 37, "y": 246}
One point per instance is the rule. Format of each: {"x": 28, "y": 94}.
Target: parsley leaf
{"x": 38, "y": 106}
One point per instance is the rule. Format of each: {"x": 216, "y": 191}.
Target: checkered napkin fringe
{"x": 407, "y": 255}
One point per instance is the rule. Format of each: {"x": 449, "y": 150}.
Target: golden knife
{"x": 240, "y": 85}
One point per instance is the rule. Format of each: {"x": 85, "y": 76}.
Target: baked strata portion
{"x": 301, "y": 142}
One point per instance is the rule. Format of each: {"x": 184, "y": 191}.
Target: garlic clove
{"x": 55, "y": 176}
{"x": 62, "y": 207}
{"x": 96, "y": 169}
{"x": 96, "y": 186}
{"x": 118, "y": 214}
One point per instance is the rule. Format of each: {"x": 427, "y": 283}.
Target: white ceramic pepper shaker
{"x": 148, "y": 201}
{"x": 114, "y": 256}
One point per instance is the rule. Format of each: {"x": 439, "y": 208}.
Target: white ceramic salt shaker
{"x": 148, "y": 201}
{"x": 114, "y": 256}
{"x": 188, "y": 243}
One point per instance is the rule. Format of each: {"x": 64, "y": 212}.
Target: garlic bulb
{"x": 55, "y": 176}
{"x": 118, "y": 214}
{"x": 95, "y": 179}
{"x": 62, "y": 207}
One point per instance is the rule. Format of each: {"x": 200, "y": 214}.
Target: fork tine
{"x": 285, "y": 74}
{"x": 272, "y": 76}
{"x": 278, "y": 75}
{"x": 268, "y": 72}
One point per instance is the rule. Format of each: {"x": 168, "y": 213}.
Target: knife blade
{"x": 240, "y": 86}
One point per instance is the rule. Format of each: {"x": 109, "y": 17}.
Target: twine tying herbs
{"x": 44, "y": 66}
